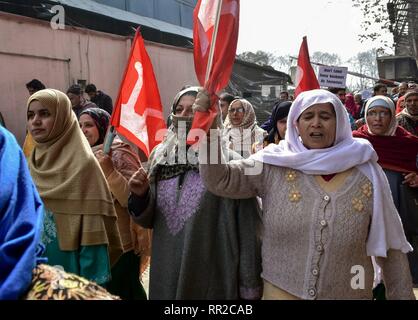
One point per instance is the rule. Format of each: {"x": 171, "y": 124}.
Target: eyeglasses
{"x": 239, "y": 110}
{"x": 381, "y": 114}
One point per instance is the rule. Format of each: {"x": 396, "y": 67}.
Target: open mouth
{"x": 316, "y": 135}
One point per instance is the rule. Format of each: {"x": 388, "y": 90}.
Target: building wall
{"x": 173, "y": 11}
{"x": 31, "y": 49}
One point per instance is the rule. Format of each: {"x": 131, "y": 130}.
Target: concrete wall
{"x": 32, "y": 49}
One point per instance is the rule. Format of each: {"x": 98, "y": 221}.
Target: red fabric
{"x": 204, "y": 17}
{"x": 328, "y": 177}
{"x": 400, "y": 104}
{"x": 137, "y": 114}
{"x": 305, "y": 75}
{"x": 396, "y": 152}
{"x": 351, "y": 106}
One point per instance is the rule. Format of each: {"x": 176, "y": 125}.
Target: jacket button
{"x": 323, "y": 223}
{"x": 315, "y": 271}
{"x": 326, "y": 198}
{"x": 312, "y": 292}
{"x": 319, "y": 248}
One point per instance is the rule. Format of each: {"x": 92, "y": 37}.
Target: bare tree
{"x": 364, "y": 63}
{"x": 260, "y": 57}
{"x": 283, "y": 63}
{"x": 375, "y": 20}
{"x": 329, "y": 59}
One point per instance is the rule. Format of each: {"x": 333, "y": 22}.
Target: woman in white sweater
{"x": 327, "y": 207}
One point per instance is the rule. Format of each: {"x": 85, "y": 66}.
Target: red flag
{"x": 224, "y": 45}
{"x": 305, "y": 75}
{"x": 138, "y": 110}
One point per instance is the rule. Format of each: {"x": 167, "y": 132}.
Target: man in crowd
{"x": 34, "y": 86}
{"x": 101, "y": 99}
{"x": 75, "y": 94}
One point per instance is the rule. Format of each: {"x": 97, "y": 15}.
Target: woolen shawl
{"x": 386, "y": 230}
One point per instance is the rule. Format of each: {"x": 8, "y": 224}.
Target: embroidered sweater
{"x": 203, "y": 246}
{"x": 314, "y": 241}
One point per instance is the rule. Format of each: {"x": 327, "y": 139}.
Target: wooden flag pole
{"x": 212, "y": 45}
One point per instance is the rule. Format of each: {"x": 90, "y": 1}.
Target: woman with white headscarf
{"x": 327, "y": 207}
{"x": 397, "y": 150}
{"x": 241, "y": 129}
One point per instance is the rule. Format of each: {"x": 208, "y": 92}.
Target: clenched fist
{"x": 139, "y": 182}
{"x": 202, "y": 102}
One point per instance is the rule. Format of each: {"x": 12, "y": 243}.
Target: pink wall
{"x": 32, "y": 49}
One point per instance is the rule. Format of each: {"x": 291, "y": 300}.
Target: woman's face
{"x": 317, "y": 125}
{"x": 184, "y": 107}
{"x": 40, "y": 121}
{"x": 281, "y": 127}
{"x": 236, "y": 113}
{"x": 378, "y": 120}
{"x": 88, "y": 126}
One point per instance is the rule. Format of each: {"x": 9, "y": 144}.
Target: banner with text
{"x": 332, "y": 77}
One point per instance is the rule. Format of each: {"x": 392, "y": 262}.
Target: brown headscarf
{"x": 71, "y": 183}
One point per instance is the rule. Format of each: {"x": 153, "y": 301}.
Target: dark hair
{"x": 35, "y": 84}
{"x": 285, "y": 92}
{"x": 227, "y": 97}
{"x": 90, "y": 88}
{"x": 280, "y": 111}
{"x": 75, "y": 89}
{"x": 101, "y": 118}
{"x": 378, "y": 86}
{"x": 335, "y": 90}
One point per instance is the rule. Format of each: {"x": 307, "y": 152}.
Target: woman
{"x": 326, "y": 207}
{"x": 241, "y": 129}
{"x": 279, "y": 118}
{"x": 400, "y": 104}
{"x": 397, "y": 150}
{"x": 23, "y": 274}
{"x": 204, "y": 246}
{"x": 118, "y": 168}
{"x": 80, "y": 229}
{"x": 351, "y": 106}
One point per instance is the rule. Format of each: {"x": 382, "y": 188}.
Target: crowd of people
{"x": 285, "y": 211}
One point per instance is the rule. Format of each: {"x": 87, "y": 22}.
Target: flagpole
{"x": 110, "y": 136}
{"x": 212, "y": 45}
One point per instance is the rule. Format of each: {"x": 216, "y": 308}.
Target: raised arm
{"x": 236, "y": 179}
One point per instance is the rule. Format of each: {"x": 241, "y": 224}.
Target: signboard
{"x": 332, "y": 77}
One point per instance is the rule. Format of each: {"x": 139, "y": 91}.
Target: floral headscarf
{"x": 101, "y": 119}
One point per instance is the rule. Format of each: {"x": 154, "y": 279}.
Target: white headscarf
{"x": 385, "y": 102}
{"x": 386, "y": 230}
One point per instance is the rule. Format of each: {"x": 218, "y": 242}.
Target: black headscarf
{"x": 280, "y": 111}
{"x": 101, "y": 119}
